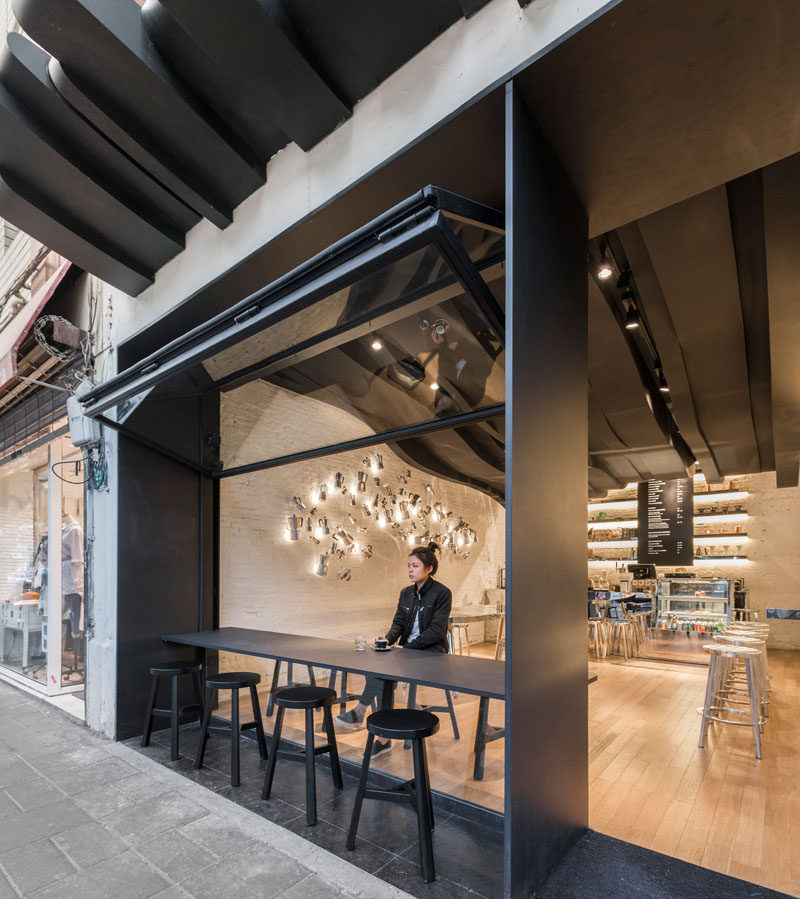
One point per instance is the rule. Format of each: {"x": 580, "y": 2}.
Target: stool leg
{"x": 343, "y": 705}
{"x": 261, "y": 739}
{"x": 412, "y": 696}
{"x": 273, "y": 756}
{"x": 151, "y": 704}
{"x": 311, "y": 771}
{"x": 466, "y": 634}
{"x": 173, "y": 720}
{"x": 199, "y": 691}
{"x": 362, "y": 786}
{"x": 480, "y": 734}
{"x": 755, "y": 705}
{"x": 708, "y": 702}
{"x": 452, "y": 711}
{"x": 336, "y": 768}
{"x": 234, "y": 738}
{"x": 424, "y": 822}
{"x": 289, "y": 674}
{"x": 201, "y": 746}
{"x": 311, "y": 679}
{"x": 273, "y": 688}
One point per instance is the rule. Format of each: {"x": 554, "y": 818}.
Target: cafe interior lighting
{"x": 662, "y": 381}
{"x": 700, "y": 520}
{"x": 614, "y": 504}
{"x": 605, "y": 525}
{"x": 435, "y": 385}
{"x": 632, "y": 319}
{"x": 722, "y": 540}
{"x": 707, "y": 499}
{"x": 376, "y": 345}
{"x": 605, "y": 270}
{"x": 711, "y": 560}
{"x": 613, "y": 544}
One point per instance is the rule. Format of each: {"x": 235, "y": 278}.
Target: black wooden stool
{"x": 233, "y": 681}
{"x": 309, "y": 699}
{"x": 290, "y": 682}
{"x": 449, "y": 708}
{"x": 343, "y": 697}
{"x": 402, "y": 724}
{"x": 174, "y": 712}
{"x": 484, "y": 733}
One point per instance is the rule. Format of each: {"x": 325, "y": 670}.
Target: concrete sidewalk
{"x": 83, "y": 816}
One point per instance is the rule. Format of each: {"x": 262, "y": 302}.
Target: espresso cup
{"x": 382, "y": 643}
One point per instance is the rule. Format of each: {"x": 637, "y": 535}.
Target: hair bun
{"x": 434, "y": 547}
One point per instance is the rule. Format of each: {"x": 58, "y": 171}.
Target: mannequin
{"x": 72, "y": 579}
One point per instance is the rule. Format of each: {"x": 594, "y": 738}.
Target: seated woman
{"x": 420, "y": 623}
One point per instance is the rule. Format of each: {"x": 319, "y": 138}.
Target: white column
{"x": 54, "y": 610}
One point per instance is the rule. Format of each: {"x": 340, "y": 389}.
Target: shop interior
{"x": 30, "y": 485}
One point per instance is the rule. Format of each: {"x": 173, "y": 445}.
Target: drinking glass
{"x": 361, "y": 643}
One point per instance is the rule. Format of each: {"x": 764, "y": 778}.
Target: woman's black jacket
{"x": 435, "y": 601}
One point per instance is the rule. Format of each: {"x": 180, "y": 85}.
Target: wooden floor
{"x": 649, "y": 784}
{"x": 717, "y": 807}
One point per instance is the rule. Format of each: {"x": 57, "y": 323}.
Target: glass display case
{"x": 694, "y": 604}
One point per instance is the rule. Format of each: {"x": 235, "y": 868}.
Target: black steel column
{"x": 546, "y": 800}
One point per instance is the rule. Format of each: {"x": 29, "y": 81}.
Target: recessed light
{"x": 377, "y": 345}
{"x": 435, "y": 385}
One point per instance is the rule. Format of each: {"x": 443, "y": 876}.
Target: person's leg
{"x": 355, "y": 716}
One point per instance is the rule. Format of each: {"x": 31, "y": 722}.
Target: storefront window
{"x": 29, "y": 643}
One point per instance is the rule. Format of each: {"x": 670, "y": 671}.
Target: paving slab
{"x": 84, "y": 816}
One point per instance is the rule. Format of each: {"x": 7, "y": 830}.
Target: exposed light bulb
{"x": 377, "y": 345}
{"x": 435, "y": 385}
{"x": 287, "y": 535}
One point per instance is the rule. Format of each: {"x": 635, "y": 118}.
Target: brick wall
{"x": 268, "y": 583}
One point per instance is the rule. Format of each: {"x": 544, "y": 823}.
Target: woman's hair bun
{"x": 434, "y": 547}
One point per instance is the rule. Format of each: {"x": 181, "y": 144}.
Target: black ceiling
{"x": 136, "y": 123}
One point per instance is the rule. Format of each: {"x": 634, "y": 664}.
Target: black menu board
{"x": 666, "y": 522}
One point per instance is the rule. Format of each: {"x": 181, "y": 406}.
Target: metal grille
{"x": 29, "y": 419}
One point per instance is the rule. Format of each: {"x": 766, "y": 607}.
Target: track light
{"x": 632, "y": 320}
{"x": 662, "y": 381}
{"x": 605, "y": 269}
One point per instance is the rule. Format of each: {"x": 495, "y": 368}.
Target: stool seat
{"x": 403, "y": 724}
{"x": 735, "y": 652}
{"x": 233, "y": 680}
{"x": 305, "y": 697}
{"x": 170, "y": 669}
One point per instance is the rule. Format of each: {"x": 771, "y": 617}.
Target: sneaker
{"x": 349, "y": 719}
{"x": 379, "y": 748}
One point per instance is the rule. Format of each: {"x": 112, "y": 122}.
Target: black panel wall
{"x": 546, "y": 792}
{"x": 166, "y": 546}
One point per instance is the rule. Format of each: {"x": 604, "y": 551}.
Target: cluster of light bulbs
{"x": 410, "y": 518}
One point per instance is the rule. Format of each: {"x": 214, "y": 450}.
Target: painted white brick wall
{"x": 268, "y": 583}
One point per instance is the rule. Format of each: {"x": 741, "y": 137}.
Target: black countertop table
{"x": 465, "y": 674}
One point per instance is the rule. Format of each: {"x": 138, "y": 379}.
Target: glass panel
{"x": 479, "y": 241}
{"x": 421, "y": 270}
{"x": 350, "y": 558}
{"x": 23, "y": 565}
{"x": 73, "y": 476}
{"x": 423, "y": 362}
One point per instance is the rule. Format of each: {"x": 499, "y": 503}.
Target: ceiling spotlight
{"x": 605, "y": 270}
{"x": 435, "y": 385}
{"x": 632, "y": 320}
{"x": 377, "y": 345}
{"x": 662, "y": 381}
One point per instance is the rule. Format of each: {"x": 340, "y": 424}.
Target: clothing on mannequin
{"x": 72, "y": 573}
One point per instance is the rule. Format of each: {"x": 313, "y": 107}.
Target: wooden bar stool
{"x": 500, "y": 642}
{"x": 745, "y": 615}
{"x": 620, "y": 636}
{"x": 309, "y": 699}
{"x": 449, "y": 708}
{"x": 718, "y": 706}
{"x": 597, "y": 633}
{"x": 233, "y": 681}
{"x": 402, "y": 724}
{"x": 458, "y": 638}
{"x": 342, "y": 697}
{"x": 174, "y": 671}
{"x": 485, "y": 733}
{"x": 290, "y": 682}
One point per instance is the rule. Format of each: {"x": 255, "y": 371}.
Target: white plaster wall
{"x": 268, "y": 583}
{"x": 459, "y": 66}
